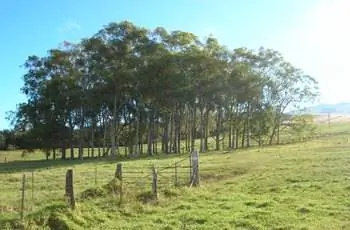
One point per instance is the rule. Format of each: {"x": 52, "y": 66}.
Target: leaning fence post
{"x": 195, "y": 168}
{"x": 119, "y": 175}
{"x": 190, "y": 159}
{"x": 154, "y": 183}
{"x": 33, "y": 189}
{"x": 69, "y": 188}
{"x": 118, "y": 172}
{"x": 22, "y": 196}
{"x": 95, "y": 175}
{"x": 176, "y": 178}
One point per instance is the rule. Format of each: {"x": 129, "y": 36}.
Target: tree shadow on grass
{"x": 32, "y": 165}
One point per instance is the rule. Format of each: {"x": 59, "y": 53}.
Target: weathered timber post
{"x": 119, "y": 175}
{"x": 195, "y": 168}
{"x": 176, "y": 178}
{"x": 154, "y": 183}
{"x": 190, "y": 169}
{"x": 95, "y": 175}
{"x": 118, "y": 172}
{"x": 69, "y": 189}
{"x": 22, "y": 195}
{"x": 33, "y": 189}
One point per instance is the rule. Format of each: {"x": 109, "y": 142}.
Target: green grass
{"x": 295, "y": 186}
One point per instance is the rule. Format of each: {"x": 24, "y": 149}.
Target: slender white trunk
{"x": 113, "y": 128}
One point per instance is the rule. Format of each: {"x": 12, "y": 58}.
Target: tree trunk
{"x": 272, "y": 135}
{"x": 187, "y": 131}
{"x": 63, "y": 150}
{"x": 166, "y": 134}
{"x": 54, "y": 153}
{"x": 149, "y": 135}
{"x": 104, "y": 136}
{"x": 260, "y": 136}
{"x": 248, "y": 125}
{"x": 137, "y": 133}
{"x": 81, "y": 128}
{"x": 201, "y": 149}
{"x": 155, "y": 139}
{"x": 194, "y": 129}
{"x": 171, "y": 122}
{"x": 179, "y": 122}
{"x": 141, "y": 136}
{"x": 218, "y": 121}
{"x": 206, "y": 130}
{"x": 231, "y": 140}
{"x": 113, "y": 130}
{"x": 176, "y": 130}
{"x": 278, "y": 133}
{"x": 243, "y": 135}
{"x": 237, "y": 133}
{"x": 93, "y": 126}
{"x": 237, "y": 125}
{"x": 71, "y": 139}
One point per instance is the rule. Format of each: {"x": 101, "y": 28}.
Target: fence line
{"x": 20, "y": 195}
{"x": 38, "y": 188}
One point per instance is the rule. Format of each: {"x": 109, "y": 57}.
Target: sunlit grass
{"x": 295, "y": 186}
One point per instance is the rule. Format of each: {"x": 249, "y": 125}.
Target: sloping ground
{"x": 299, "y": 186}
{"x": 333, "y": 118}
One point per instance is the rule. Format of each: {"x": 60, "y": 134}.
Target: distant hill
{"x": 340, "y": 108}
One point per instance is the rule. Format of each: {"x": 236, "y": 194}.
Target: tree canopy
{"x": 131, "y": 86}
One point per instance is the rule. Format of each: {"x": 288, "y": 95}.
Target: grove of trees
{"x": 153, "y": 91}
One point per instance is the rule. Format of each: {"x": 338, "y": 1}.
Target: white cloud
{"x": 69, "y": 26}
{"x": 320, "y": 44}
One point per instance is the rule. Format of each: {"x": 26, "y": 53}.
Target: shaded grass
{"x": 295, "y": 186}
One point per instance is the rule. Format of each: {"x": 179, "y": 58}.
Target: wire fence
{"x": 20, "y": 195}
{"x": 24, "y": 193}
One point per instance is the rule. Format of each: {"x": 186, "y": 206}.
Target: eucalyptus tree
{"x": 45, "y": 110}
{"x": 130, "y": 86}
{"x": 174, "y": 81}
{"x": 3, "y": 141}
{"x": 286, "y": 87}
{"x": 118, "y": 64}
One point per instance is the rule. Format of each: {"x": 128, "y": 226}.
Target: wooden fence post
{"x": 119, "y": 175}
{"x": 176, "y": 178}
{"x": 69, "y": 188}
{"x": 22, "y": 195}
{"x": 190, "y": 159}
{"x": 154, "y": 183}
{"x": 33, "y": 190}
{"x": 195, "y": 168}
{"x": 118, "y": 172}
{"x": 95, "y": 175}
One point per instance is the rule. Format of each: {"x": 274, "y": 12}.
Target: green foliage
{"x": 2, "y": 142}
{"x": 302, "y": 126}
{"x": 128, "y": 85}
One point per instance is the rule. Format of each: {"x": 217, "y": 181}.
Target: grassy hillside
{"x": 296, "y": 186}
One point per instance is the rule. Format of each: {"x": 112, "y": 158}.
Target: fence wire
{"x": 47, "y": 186}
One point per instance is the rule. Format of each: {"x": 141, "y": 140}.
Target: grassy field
{"x": 295, "y": 186}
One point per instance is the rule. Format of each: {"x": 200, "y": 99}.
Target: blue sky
{"x": 306, "y": 32}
